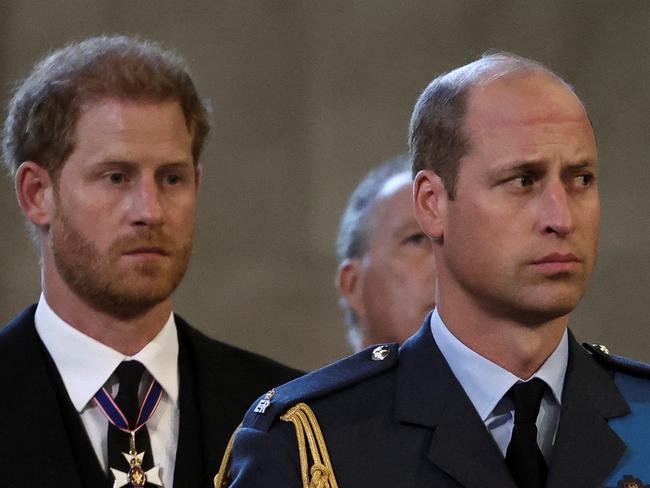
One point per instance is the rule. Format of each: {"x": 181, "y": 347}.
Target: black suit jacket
{"x": 43, "y": 445}
{"x": 406, "y": 422}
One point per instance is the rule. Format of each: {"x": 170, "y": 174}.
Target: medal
{"x": 136, "y": 477}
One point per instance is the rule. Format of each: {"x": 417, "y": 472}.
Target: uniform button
{"x": 629, "y": 481}
{"x": 380, "y": 353}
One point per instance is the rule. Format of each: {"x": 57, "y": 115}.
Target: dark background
{"x": 310, "y": 94}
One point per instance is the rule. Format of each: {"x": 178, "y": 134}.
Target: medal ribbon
{"x": 115, "y": 416}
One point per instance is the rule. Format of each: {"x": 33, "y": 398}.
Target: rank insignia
{"x": 264, "y": 402}
{"x": 380, "y": 353}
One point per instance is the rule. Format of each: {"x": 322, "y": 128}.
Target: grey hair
{"x": 353, "y": 239}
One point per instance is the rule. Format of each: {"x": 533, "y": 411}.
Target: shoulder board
{"x": 618, "y": 363}
{"x": 334, "y": 377}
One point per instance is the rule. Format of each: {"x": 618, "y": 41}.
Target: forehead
{"x": 393, "y": 207}
{"x": 115, "y": 114}
{"x": 137, "y": 126}
{"x": 395, "y": 184}
{"x": 526, "y": 97}
{"x": 530, "y": 112}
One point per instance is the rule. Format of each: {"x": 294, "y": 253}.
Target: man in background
{"x": 386, "y": 273}
{"x": 102, "y": 384}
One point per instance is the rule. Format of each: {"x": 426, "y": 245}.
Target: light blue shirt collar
{"x": 485, "y": 382}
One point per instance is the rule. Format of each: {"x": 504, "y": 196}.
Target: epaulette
{"x": 619, "y": 363}
{"x": 321, "y": 382}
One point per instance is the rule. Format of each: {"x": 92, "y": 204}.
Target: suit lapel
{"x": 586, "y": 449}
{"x": 88, "y": 466}
{"x": 37, "y": 430}
{"x": 207, "y": 415}
{"x": 428, "y": 395}
{"x": 189, "y": 461}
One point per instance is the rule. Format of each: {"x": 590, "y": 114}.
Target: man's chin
{"x": 542, "y": 312}
{"x": 127, "y": 307}
{"x": 134, "y": 294}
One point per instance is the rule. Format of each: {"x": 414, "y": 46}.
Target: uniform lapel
{"x": 586, "y": 449}
{"x": 429, "y": 395}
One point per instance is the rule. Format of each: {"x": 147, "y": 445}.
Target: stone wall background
{"x": 308, "y": 95}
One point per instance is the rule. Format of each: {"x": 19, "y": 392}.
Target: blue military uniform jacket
{"x": 401, "y": 419}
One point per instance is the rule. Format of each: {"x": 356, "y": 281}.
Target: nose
{"x": 146, "y": 203}
{"x": 556, "y": 216}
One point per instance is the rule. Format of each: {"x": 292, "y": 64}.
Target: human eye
{"x": 172, "y": 179}
{"x": 174, "y": 174}
{"x": 582, "y": 180}
{"x": 115, "y": 177}
{"x": 585, "y": 180}
{"x": 520, "y": 181}
{"x": 416, "y": 239}
{"x": 524, "y": 180}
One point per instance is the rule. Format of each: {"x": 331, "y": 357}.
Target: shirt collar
{"x": 486, "y": 382}
{"x": 86, "y": 364}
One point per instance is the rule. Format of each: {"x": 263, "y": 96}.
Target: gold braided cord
{"x": 222, "y": 478}
{"x": 302, "y": 451}
{"x": 321, "y": 473}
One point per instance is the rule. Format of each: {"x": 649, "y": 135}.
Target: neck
{"x": 516, "y": 347}
{"x": 126, "y": 335}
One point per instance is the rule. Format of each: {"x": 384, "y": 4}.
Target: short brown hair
{"x": 437, "y": 140}
{"x": 43, "y": 113}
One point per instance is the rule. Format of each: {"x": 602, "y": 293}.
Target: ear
{"x": 35, "y": 193}
{"x": 431, "y": 200}
{"x": 350, "y": 286}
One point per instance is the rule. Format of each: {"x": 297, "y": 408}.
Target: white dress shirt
{"x": 486, "y": 383}
{"x": 85, "y": 365}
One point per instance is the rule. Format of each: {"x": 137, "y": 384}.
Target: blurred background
{"x": 307, "y": 96}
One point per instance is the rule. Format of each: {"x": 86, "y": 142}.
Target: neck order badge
{"x": 136, "y": 477}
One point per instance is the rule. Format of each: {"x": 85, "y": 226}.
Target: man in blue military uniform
{"x": 493, "y": 391}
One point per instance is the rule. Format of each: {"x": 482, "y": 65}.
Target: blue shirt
{"x": 486, "y": 383}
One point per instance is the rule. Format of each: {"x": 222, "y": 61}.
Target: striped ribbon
{"x": 115, "y": 416}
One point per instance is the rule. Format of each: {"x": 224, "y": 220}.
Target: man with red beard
{"x": 102, "y": 384}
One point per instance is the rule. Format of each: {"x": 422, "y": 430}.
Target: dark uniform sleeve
{"x": 266, "y": 459}
{"x": 265, "y": 452}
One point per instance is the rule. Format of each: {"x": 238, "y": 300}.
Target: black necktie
{"x": 523, "y": 457}
{"x": 128, "y": 374}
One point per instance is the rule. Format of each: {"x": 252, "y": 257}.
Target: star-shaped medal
{"x": 136, "y": 477}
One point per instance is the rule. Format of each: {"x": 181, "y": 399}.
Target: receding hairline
{"x": 491, "y": 67}
{"x": 389, "y": 188}
{"x": 437, "y": 137}
{"x": 394, "y": 184}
